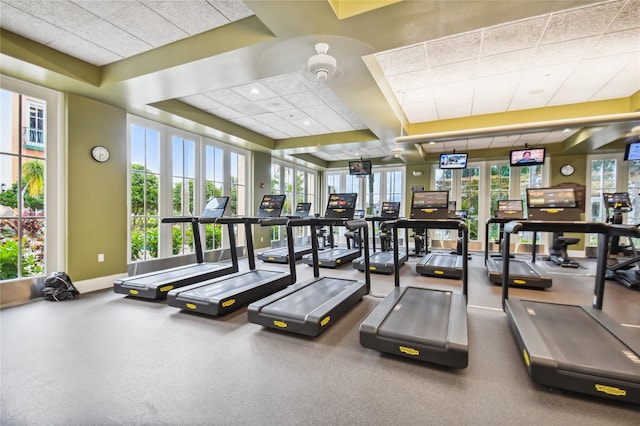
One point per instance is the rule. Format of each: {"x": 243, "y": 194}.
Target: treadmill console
{"x": 215, "y": 207}
{"x": 616, "y": 200}
{"x": 302, "y": 210}
{"x": 271, "y": 206}
{"x": 390, "y": 210}
{"x": 510, "y": 209}
{"x": 341, "y": 206}
{"x": 552, "y": 204}
{"x": 430, "y": 205}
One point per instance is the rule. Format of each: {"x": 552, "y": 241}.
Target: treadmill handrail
{"x": 458, "y": 224}
{"x": 604, "y": 231}
{"x": 179, "y": 219}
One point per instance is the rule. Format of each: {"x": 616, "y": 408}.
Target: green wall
{"x": 261, "y": 187}
{"x": 97, "y": 194}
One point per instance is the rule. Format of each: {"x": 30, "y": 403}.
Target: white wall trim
{"x": 95, "y": 284}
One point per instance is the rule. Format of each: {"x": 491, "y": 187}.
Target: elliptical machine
{"x": 624, "y": 272}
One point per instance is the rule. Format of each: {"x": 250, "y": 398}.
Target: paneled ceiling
{"x": 236, "y": 70}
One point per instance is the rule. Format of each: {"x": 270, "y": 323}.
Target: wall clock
{"x": 100, "y": 153}
{"x": 567, "y": 170}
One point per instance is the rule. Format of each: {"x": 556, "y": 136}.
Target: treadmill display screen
{"x": 215, "y": 207}
{"x": 271, "y": 205}
{"x": 510, "y": 206}
{"x": 341, "y": 205}
{"x": 390, "y": 209}
{"x": 551, "y": 197}
{"x": 616, "y": 199}
{"x": 303, "y": 209}
{"x": 430, "y": 200}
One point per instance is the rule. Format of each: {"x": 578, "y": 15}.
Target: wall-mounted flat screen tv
{"x": 632, "y": 151}
{"x": 360, "y": 168}
{"x": 453, "y": 161}
{"x": 526, "y": 157}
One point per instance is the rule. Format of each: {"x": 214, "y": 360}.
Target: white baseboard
{"x": 576, "y": 254}
{"x": 95, "y": 284}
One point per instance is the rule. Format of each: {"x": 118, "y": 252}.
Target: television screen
{"x": 526, "y": 157}
{"x": 551, "y": 197}
{"x": 632, "y": 151}
{"x": 453, "y": 161}
{"x": 509, "y": 205}
{"x": 430, "y": 200}
{"x": 360, "y": 168}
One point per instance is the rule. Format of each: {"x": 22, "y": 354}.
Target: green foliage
{"x": 8, "y": 259}
{"x": 9, "y": 198}
{"x": 144, "y": 191}
{"x": 213, "y": 237}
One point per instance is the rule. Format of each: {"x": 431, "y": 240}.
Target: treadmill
{"x": 522, "y": 273}
{"x": 382, "y": 261}
{"x": 156, "y": 284}
{"x": 625, "y": 272}
{"x": 341, "y": 207}
{"x": 420, "y": 323}
{"x": 281, "y": 254}
{"x": 432, "y": 205}
{"x": 577, "y": 348}
{"x": 223, "y": 295}
{"x": 310, "y": 307}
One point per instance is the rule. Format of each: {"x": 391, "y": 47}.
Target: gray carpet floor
{"x": 107, "y": 359}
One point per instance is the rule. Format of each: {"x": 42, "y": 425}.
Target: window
{"x": 603, "y": 178}
{"x": 144, "y": 192}
{"x": 30, "y": 185}
{"x": 174, "y": 173}
{"x": 184, "y": 180}
{"x": 470, "y": 185}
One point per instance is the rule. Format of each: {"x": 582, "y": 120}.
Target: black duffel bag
{"x": 58, "y": 286}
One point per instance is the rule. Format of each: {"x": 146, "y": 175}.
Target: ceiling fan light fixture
{"x": 322, "y": 65}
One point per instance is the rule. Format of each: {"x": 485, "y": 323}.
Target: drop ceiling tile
{"x": 233, "y": 10}
{"x": 62, "y": 14}
{"x": 303, "y": 100}
{"x": 20, "y": 22}
{"x": 623, "y": 84}
{"x": 403, "y": 60}
{"x": 311, "y": 126}
{"x": 494, "y": 94}
{"x": 419, "y": 105}
{"x": 112, "y": 38}
{"x": 254, "y": 91}
{"x": 320, "y": 111}
{"x": 457, "y": 48}
{"x": 409, "y": 81}
{"x": 201, "y": 101}
{"x": 335, "y": 123}
{"x": 274, "y": 121}
{"x": 532, "y": 138}
{"x": 511, "y": 37}
{"x": 504, "y": 141}
{"x": 227, "y": 113}
{"x": 286, "y": 85}
{"x": 454, "y": 100}
{"x": 293, "y": 115}
{"x": 103, "y": 8}
{"x": 147, "y": 25}
{"x": 538, "y": 86}
{"x": 199, "y": 17}
{"x": 588, "y": 21}
{"x": 615, "y": 43}
{"x": 568, "y": 51}
{"x": 479, "y": 143}
{"x": 80, "y": 48}
{"x": 629, "y": 17}
{"x": 504, "y": 63}
{"x": 274, "y": 104}
{"x": 249, "y": 108}
{"x": 226, "y": 97}
{"x": 459, "y": 71}
{"x": 256, "y": 126}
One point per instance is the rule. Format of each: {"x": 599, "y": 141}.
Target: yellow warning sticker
{"x": 325, "y": 321}
{"x": 166, "y": 288}
{"x": 191, "y": 306}
{"x": 132, "y": 291}
{"x": 409, "y": 351}
{"x": 228, "y": 303}
{"x": 280, "y": 324}
{"x": 611, "y": 390}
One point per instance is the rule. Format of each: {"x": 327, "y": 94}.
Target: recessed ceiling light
{"x": 307, "y": 123}
{"x": 432, "y": 143}
{"x": 536, "y": 91}
{"x": 254, "y": 91}
{"x": 567, "y": 130}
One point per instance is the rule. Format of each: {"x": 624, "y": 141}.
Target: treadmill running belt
{"x": 210, "y": 290}
{"x": 574, "y": 337}
{"x": 420, "y": 316}
{"x": 172, "y": 275}
{"x": 442, "y": 260}
{"x": 299, "y": 304}
{"x": 516, "y": 267}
